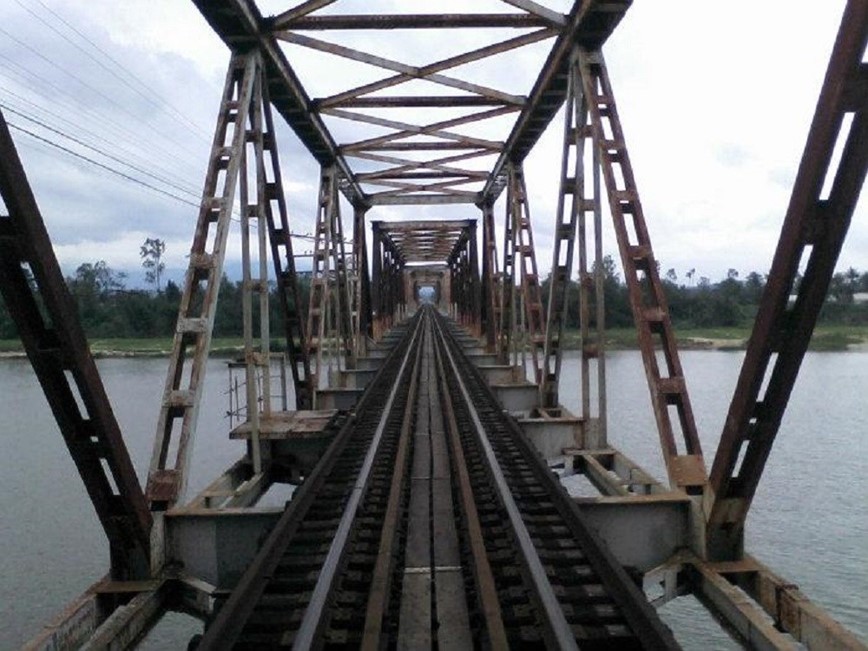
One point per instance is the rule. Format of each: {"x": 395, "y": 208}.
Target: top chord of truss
{"x": 439, "y": 129}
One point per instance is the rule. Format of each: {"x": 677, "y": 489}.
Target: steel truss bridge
{"x": 425, "y": 367}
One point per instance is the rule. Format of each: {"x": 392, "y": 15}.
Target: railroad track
{"x": 431, "y": 523}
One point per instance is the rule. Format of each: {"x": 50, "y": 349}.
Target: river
{"x": 809, "y": 520}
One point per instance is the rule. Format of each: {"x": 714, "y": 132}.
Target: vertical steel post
{"x": 507, "y": 323}
{"x": 341, "y": 264}
{"x": 377, "y": 281}
{"x": 363, "y": 317}
{"x": 572, "y": 184}
{"x": 669, "y": 396}
{"x": 523, "y": 254}
{"x": 491, "y": 292}
{"x": 257, "y": 358}
{"x": 475, "y": 298}
{"x": 168, "y": 471}
{"x": 47, "y": 320}
{"x": 329, "y": 319}
{"x": 814, "y": 228}
{"x": 273, "y": 202}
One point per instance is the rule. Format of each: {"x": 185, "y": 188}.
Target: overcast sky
{"x": 715, "y": 100}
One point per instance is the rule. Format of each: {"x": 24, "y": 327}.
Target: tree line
{"x": 696, "y": 302}
{"x": 108, "y": 309}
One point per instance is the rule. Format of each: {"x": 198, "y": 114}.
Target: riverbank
{"x": 144, "y": 347}
{"x": 826, "y": 338}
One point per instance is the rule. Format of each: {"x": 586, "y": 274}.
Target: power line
{"x": 96, "y": 149}
{"x": 101, "y": 165}
{"x": 122, "y": 132}
{"x": 95, "y": 137}
{"x": 304, "y": 236}
{"x": 150, "y": 93}
{"x": 87, "y": 85}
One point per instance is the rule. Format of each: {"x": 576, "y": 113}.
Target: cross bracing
{"x": 432, "y": 130}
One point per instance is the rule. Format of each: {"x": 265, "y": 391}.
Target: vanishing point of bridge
{"x": 425, "y": 364}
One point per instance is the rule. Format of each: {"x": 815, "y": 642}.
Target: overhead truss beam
{"x": 589, "y": 24}
{"x": 414, "y": 21}
{"x": 240, "y": 25}
{"x": 426, "y": 241}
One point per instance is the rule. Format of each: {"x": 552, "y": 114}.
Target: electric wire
{"x": 91, "y": 88}
{"x": 107, "y": 168}
{"x": 128, "y": 177}
{"x": 149, "y": 93}
{"x": 92, "y": 136}
{"x": 77, "y": 155}
{"x": 117, "y": 129}
{"x": 97, "y": 150}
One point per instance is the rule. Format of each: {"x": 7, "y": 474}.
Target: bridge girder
{"x": 417, "y": 172}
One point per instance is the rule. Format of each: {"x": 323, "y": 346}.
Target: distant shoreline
{"x": 826, "y": 338}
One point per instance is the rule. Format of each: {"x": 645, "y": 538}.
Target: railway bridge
{"x": 425, "y": 363}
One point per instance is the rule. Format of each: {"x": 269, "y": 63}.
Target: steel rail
{"x": 378, "y": 599}
{"x": 637, "y": 612}
{"x": 560, "y": 629}
{"x": 482, "y": 574}
{"x": 224, "y": 631}
{"x": 306, "y": 637}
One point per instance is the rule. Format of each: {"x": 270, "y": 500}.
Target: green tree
{"x": 753, "y": 287}
{"x": 690, "y": 274}
{"x": 671, "y": 276}
{"x": 618, "y": 311}
{"x": 94, "y": 286}
{"x": 151, "y": 253}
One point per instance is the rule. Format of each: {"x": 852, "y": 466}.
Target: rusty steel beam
{"x": 410, "y": 21}
{"x": 464, "y": 279}
{"x": 298, "y": 11}
{"x": 814, "y": 229}
{"x": 329, "y": 287}
{"x": 400, "y": 163}
{"x": 430, "y": 72}
{"x": 493, "y": 148}
{"x": 490, "y": 292}
{"x": 470, "y": 175}
{"x": 427, "y": 241}
{"x": 429, "y": 224}
{"x": 47, "y": 320}
{"x": 405, "y": 129}
{"x": 670, "y": 399}
{"x": 241, "y": 27}
{"x": 763, "y": 608}
{"x": 273, "y": 199}
{"x": 589, "y": 24}
{"x": 391, "y": 199}
{"x": 420, "y": 101}
{"x": 179, "y": 411}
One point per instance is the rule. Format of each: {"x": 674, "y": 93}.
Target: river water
{"x": 809, "y": 521}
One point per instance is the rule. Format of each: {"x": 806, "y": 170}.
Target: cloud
{"x": 715, "y": 109}
{"x": 732, "y": 155}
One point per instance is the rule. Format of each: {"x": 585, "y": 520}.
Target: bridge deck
{"x": 431, "y": 520}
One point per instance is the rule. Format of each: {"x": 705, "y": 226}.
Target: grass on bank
{"x": 826, "y": 338}
{"x": 142, "y": 347}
